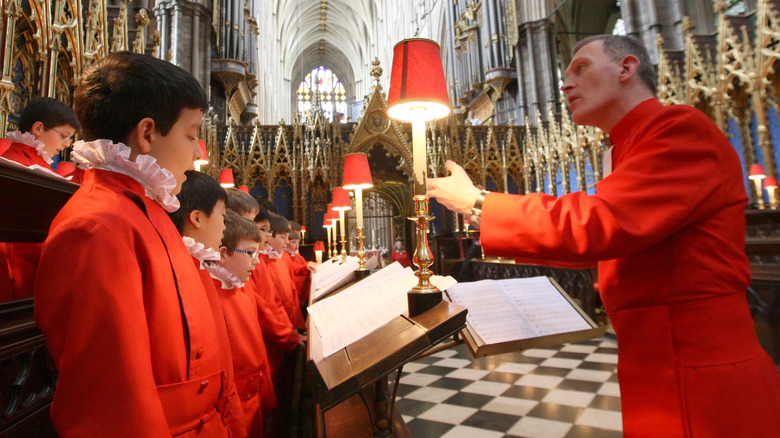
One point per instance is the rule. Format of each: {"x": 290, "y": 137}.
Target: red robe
{"x": 301, "y": 276}
{"x": 126, "y": 319}
{"x": 23, "y": 257}
{"x": 281, "y": 274}
{"x": 278, "y": 331}
{"x": 250, "y": 363}
{"x": 667, "y": 229}
{"x": 235, "y": 409}
{"x": 402, "y": 258}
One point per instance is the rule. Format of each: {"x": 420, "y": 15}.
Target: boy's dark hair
{"x": 49, "y": 111}
{"x": 238, "y": 228}
{"x": 241, "y": 202}
{"x": 294, "y": 235}
{"x": 619, "y": 46}
{"x": 123, "y": 88}
{"x": 198, "y": 192}
{"x": 295, "y": 226}
{"x": 263, "y": 215}
{"x": 266, "y": 204}
{"x": 279, "y": 225}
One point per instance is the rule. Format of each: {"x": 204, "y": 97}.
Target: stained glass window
{"x": 321, "y": 89}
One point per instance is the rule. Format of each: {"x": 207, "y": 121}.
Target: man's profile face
{"x": 592, "y": 85}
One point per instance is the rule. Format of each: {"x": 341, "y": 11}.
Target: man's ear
{"x": 629, "y": 65}
{"x": 143, "y": 136}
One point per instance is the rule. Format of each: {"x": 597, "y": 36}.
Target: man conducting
{"x": 667, "y": 229}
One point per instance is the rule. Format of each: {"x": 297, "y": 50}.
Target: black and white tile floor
{"x": 568, "y": 391}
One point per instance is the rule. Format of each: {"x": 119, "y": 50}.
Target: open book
{"x": 363, "y": 307}
{"x": 330, "y": 275}
{"x": 520, "y": 313}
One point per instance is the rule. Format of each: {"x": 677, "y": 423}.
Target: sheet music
{"x": 514, "y": 309}
{"x": 328, "y": 274}
{"x": 365, "y": 306}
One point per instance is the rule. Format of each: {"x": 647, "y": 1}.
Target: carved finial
{"x": 687, "y": 24}
{"x": 156, "y": 41}
{"x": 376, "y": 70}
{"x": 142, "y": 19}
{"x": 720, "y": 6}
{"x": 659, "y": 41}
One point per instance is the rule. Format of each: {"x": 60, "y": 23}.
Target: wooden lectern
{"x": 347, "y": 382}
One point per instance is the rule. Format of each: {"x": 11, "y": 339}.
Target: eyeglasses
{"x": 252, "y": 254}
{"x": 266, "y": 230}
{"x": 63, "y": 136}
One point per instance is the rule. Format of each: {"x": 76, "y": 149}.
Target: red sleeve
{"x": 648, "y": 196}
{"x": 274, "y": 321}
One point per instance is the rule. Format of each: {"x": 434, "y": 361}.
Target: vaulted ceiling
{"x": 335, "y": 33}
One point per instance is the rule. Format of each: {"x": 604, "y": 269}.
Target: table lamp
{"x": 417, "y": 94}
{"x": 770, "y": 184}
{"x": 303, "y": 233}
{"x": 319, "y": 247}
{"x": 226, "y": 178}
{"x": 203, "y": 158}
{"x": 757, "y": 174}
{"x": 357, "y": 176}
{"x": 341, "y": 203}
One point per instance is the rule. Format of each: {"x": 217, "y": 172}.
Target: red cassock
{"x": 402, "y": 258}
{"x": 667, "y": 229}
{"x": 23, "y": 257}
{"x": 302, "y": 278}
{"x": 250, "y": 363}
{"x": 278, "y": 331}
{"x": 126, "y": 319}
{"x": 234, "y": 409}
{"x": 281, "y": 274}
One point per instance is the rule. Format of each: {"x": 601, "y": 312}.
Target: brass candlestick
{"x": 425, "y": 295}
{"x": 361, "y": 252}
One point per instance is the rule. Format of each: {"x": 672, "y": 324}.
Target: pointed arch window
{"x": 322, "y": 89}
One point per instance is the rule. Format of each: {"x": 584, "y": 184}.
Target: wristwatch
{"x": 476, "y": 210}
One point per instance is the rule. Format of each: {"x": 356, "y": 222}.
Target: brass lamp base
{"x": 361, "y": 252}
{"x": 425, "y": 295}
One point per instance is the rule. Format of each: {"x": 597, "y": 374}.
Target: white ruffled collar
{"x": 104, "y": 154}
{"x": 291, "y": 252}
{"x": 31, "y": 140}
{"x": 229, "y": 281}
{"x": 271, "y": 253}
{"x": 199, "y": 251}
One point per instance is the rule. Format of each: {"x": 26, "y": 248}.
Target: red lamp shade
{"x": 244, "y": 189}
{"x": 226, "y": 178}
{"x": 756, "y": 172}
{"x": 65, "y": 168}
{"x": 357, "y": 174}
{"x": 769, "y": 182}
{"x": 341, "y": 199}
{"x": 319, "y": 246}
{"x": 330, "y": 217}
{"x": 204, "y": 155}
{"x": 417, "y": 86}
{"x": 303, "y": 228}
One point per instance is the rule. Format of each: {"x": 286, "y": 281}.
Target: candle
{"x": 418, "y": 156}
{"x": 359, "y": 206}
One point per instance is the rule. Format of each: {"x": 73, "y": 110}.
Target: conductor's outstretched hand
{"x": 456, "y": 192}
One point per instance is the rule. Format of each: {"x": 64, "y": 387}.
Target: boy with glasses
{"x": 238, "y": 258}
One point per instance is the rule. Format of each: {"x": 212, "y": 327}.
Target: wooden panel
{"x": 30, "y": 200}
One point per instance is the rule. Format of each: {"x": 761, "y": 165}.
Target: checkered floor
{"x": 563, "y": 392}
